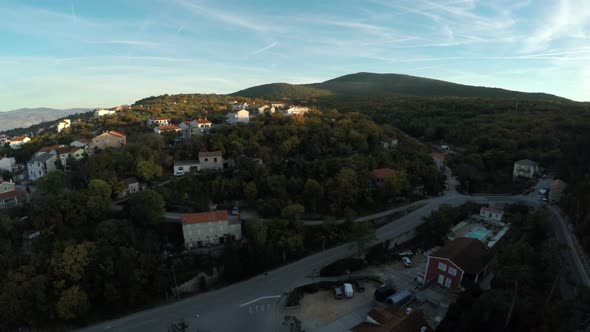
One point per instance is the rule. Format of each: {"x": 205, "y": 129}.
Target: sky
{"x": 86, "y": 53}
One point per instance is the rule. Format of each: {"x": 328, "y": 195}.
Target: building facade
{"x": 460, "y": 262}
{"x": 10, "y": 196}
{"x": 525, "y": 169}
{"x": 210, "y": 161}
{"x": 17, "y": 142}
{"x": 39, "y": 166}
{"x": 8, "y": 164}
{"x": 208, "y": 228}
{"x": 491, "y": 214}
{"x": 109, "y": 139}
{"x": 63, "y": 125}
{"x": 238, "y": 116}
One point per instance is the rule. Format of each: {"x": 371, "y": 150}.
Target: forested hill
{"x": 385, "y": 85}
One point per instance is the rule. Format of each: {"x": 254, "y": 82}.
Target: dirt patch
{"x": 322, "y": 308}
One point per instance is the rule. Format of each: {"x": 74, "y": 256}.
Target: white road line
{"x": 260, "y": 298}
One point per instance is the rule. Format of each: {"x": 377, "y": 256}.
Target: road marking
{"x": 260, "y": 298}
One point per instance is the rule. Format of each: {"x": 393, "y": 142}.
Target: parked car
{"x": 402, "y": 297}
{"x": 420, "y": 277}
{"x": 359, "y": 288}
{"x": 235, "y": 211}
{"x": 338, "y": 293}
{"x": 407, "y": 261}
{"x": 348, "y": 292}
{"x": 542, "y": 191}
{"x": 383, "y": 292}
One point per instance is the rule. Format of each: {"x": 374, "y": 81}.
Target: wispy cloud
{"x": 139, "y": 43}
{"x": 265, "y": 48}
{"x": 570, "y": 19}
{"x": 240, "y": 21}
{"x": 74, "y": 14}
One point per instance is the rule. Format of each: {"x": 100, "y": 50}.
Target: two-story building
{"x": 167, "y": 129}
{"x": 10, "y": 196}
{"x": 69, "y": 152}
{"x": 238, "y": 116}
{"x": 208, "y": 228}
{"x": 460, "y": 262}
{"x": 18, "y": 141}
{"x": 130, "y": 187}
{"x": 104, "y": 112}
{"x": 82, "y": 143}
{"x": 296, "y": 110}
{"x": 7, "y": 164}
{"x": 109, "y": 139}
{"x": 63, "y": 125}
{"x": 195, "y": 127}
{"x": 158, "y": 122}
{"x": 212, "y": 160}
{"x": 525, "y": 169}
{"x": 39, "y": 166}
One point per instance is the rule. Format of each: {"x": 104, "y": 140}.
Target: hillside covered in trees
{"x": 363, "y": 85}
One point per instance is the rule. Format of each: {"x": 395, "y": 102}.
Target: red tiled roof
{"x": 116, "y": 133}
{"x": 438, "y": 156}
{"x": 12, "y": 194}
{"x": 492, "y": 210}
{"x": 68, "y": 149}
{"x": 50, "y": 148}
{"x": 18, "y": 138}
{"x": 382, "y": 173}
{"x": 557, "y": 185}
{"x": 203, "y": 121}
{"x": 84, "y": 140}
{"x": 471, "y": 255}
{"x": 196, "y": 218}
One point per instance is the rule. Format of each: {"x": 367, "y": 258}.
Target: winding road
{"x": 255, "y": 304}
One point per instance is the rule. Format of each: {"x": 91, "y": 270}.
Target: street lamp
{"x": 323, "y": 243}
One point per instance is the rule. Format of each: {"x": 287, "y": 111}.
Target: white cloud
{"x": 263, "y": 49}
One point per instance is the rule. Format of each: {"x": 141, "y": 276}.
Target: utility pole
{"x": 175, "y": 284}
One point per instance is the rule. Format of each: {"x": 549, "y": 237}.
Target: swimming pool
{"x": 480, "y": 234}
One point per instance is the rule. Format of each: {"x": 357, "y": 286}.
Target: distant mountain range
{"x": 385, "y": 85}
{"x": 26, "y": 117}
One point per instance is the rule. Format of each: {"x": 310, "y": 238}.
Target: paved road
{"x": 254, "y": 305}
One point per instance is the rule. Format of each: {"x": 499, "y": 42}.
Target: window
{"x": 442, "y": 266}
{"x": 452, "y": 271}
{"x": 214, "y": 159}
{"x": 206, "y": 159}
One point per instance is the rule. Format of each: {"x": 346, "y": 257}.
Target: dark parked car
{"x": 359, "y": 288}
{"x": 383, "y": 292}
{"x": 338, "y": 293}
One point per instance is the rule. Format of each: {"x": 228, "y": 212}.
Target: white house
{"x": 82, "y": 143}
{"x": 525, "y": 168}
{"x": 7, "y": 164}
{"x": 242, "y": 106}
{"x": 103, "y": 112}
{"x": 130, "y": 187}
{"x": 49, "y": 149}
{"x": 17, "y": 142}
{"x": 296, "y": 110}
{"x": 207, "y": 228}
{"x": 491, "y": 214}
{"x": 237, "y": 116}
{"x": 167, "y": 128}
{"x": 63, "y": 124}
{"x": 277, "y": 105}
{"x": 38, "y": 167}
{"x": 158, "y": 122}
{"x": 10, "y": 196}
{"x": 186, "y": 166}
{"x": 195, "y": 127}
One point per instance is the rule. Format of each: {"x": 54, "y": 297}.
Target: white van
{"x": 348, "y": 292}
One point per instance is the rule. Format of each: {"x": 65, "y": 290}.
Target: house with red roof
{"x": 10, "y": 196}
{"x": 461, "y": 262}
{"x": 556, "y": 190}
{"x": 167, "y": 128}
{"x": 439, "y": 159}
{"x": 81, "y": 143}
{"x": 208, "y": 228}
{"x": 109, "y": 139}
{"x": 380, "y": 174}
{"x": 158, "y": 122}
{"x": 18, "y": 141}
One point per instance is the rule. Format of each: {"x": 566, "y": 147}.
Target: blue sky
{"x": 86, "y": 53}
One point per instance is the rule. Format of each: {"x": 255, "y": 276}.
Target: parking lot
{"x": 320, "y": 309}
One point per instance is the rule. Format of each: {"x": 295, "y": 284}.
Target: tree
{"x": 147, "y": 170}
{"x": 286, "y": 236}
{"x": 72, "y": 303}
{"x": 396, "y": 184}
{"x": 293, "y": 212}
{"x": 250, "y": 191}
{"x": 362, "y": 234}
{"x": 146, "y": 207}
{"x": 99, "y": 198}
{"x": 53, "y": 182}
{"x": 313, "y": 193}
